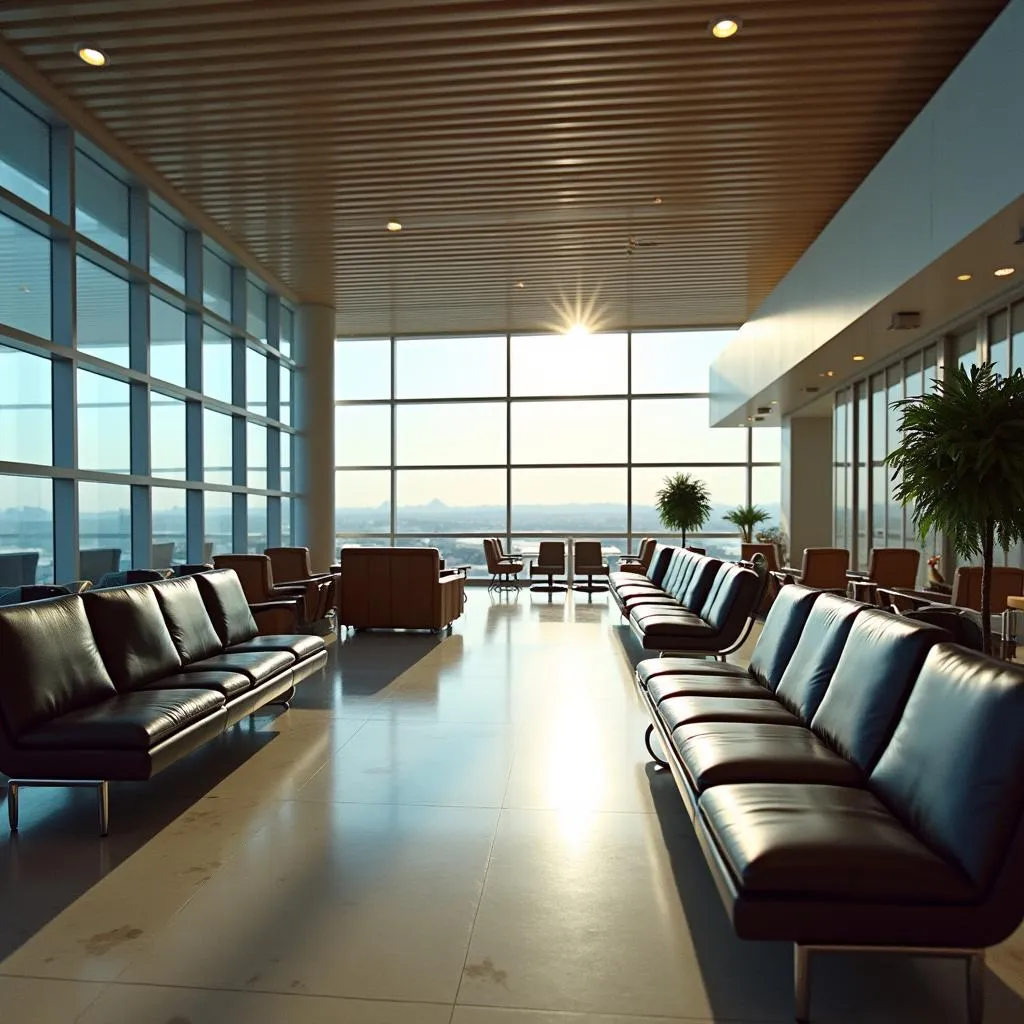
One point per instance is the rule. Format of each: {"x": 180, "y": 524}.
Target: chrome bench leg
{"x": 101, "y": 786}
{"x": 656, "y": 758}
{"x": 975, "y": 987}
{"x": 802, "y": 983}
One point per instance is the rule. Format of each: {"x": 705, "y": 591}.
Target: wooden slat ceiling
{"x": 515, "y": 140}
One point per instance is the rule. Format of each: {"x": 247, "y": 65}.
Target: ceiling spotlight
{"x": 92, "y": 56}
{"x": 775, "y": 401}
{"x": 963, "y": 277}
{"x": 858, "y": 359}
{"x": 724, "y": 28}
{"x": 520, "y": 284}
{"x": 1004, "y": 271}
{"x": 393, "y": 225}
{"x": 657, "y": 200}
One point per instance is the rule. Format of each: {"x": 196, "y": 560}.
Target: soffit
{"x": 515, "y": 141}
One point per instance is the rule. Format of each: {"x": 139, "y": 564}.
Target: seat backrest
{"x": 587, "y": 554}
{"x": 254, "y": 574}
{"x": 770, "y": 552}
{"x": 736, "y": 594}
{"x": 817, "y": 653}
{"x": 389, "y": 587}
{"x": 187, "y": 620}
{"x": 701, "y": 590}
{"x": 681, "y": 568}
{"x": 96, "y": 562}
{"x": 869, "y": 687}
{"x": 1006, "y": 581}
{"x": 18, "y": 568}
{"x": 646, "y": 551}
{"x": 660, "y": 560}
{"x": 491, "y": 554}
{"x": 783, "y": 626}
{"x": 954, "y": 768}
{"x": 551, "y": 553}
{"x": 51, "y": 663}
{"x": 894, "y": 567}
{"x": 825, "y": 567}
{"x": 962, "y": 624}
{"x": 288, "y": 564}
{"x": 226, "y": 605}
{"x": 161, "y": 555}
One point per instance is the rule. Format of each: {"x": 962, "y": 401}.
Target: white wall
{"x": 806, "y": 483}
{"x": 955, "y": 167}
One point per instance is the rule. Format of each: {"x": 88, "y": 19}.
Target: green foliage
{"x": 960, "y": 463}
{"x": 746, "y": 517}
{"x": 683, "y": 503}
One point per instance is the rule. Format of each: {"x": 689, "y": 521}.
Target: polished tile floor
{"x": 459, "y": 829}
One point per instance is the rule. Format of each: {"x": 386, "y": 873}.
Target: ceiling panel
{"x": 605, "y": 158}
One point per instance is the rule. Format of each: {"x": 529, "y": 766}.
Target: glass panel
{"x": 450, "y": 500}
{"x": 104, "y": 432}
{"x": 1017, "y": 317}
{"x": 217, "y": 524}
{"x": 24, "y": 279}
{"x": 362, "y": 369}
{"x": 26, "y": 400}
{"x": 256, "y": 310}
{"x": 878, "y": 527}
{"x": 102, "y": 313}
{"x": 286, "y": 522}
{"x": 256, "y": 381}
{"x": 677, "y": 430}
{"x": 675, "y": 361}
{"x": 166, "y": 342}
{"x": 286, "y": 395}
{"x": 287, "y": 331}
{"x": 362, "y": 500}
{"x": 839, "y": 495}
{"x": 766, "y": 492}
{"x": 861, "y": 402}
{"x": 216, "y": 284}
{"x": 454, "y": 435}
{"x": 217, "y": 447}
{"x": 450, "y": 367}
{"x": 26, "y": 524}
{"x": 256, "y": 457}
{"x": 557, "y": 364}
{"x": 101, "y": 205}
{"x": 966, "y": 351}
{"x": 256, "y": 516}
{"x": 569, "y": 432}
{"x": 878, "y": 417}
{"x": 999, "y": 341}
{"x": 454, "y": 550}
{"x": 105, "y": 519}
{"x": 169, "y": 524}
{"x": 932, "y": 368}
{"x": 728, "y": 486}
{"x": 216, "y": 364}
{"x": 286, "y": 461}
{"x": 569, "y": 501}
{"x": 166, "y": 250}
{"x": 766, "y": 444}
{"x": 24, "y": 153}
{"x": 167, "y": 436}
{"x": 362, "y": 435}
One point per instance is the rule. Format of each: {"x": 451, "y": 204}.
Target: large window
{"x": 444, "y": 441}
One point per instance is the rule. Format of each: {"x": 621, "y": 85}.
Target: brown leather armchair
{"x": 277, "y": 608}
{"x": 503, "y": 568}
{"x": 887, "y": 567}
{"x": 821, "y": 569}
{"x": 641, "y": 561}
{"x": 291, "y": 566}
{"x": 550, "y": 562}
{"x": 588, "y": 561}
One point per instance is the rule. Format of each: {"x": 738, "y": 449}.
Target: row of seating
{"x": 689, "y": 602}
{"x": 860, "y": 785}
{"x": 120, "y": 683}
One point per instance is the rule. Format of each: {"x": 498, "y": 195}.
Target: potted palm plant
{"x": 683, "y": 503}
{"x": 746, "y": 517}
{"x": 960, "y": 464}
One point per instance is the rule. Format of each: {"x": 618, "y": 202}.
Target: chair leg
{"x": 976, "y": 987}
{"x": 802, "y": 983}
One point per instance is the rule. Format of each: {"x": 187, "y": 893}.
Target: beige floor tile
{"x": 154, "y": 1004}
{"x": 465, "y": 1014}
{"x": 361, "y": 900}
{"x": 42, "y": 1001}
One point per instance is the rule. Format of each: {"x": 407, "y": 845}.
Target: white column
{"x": 806, "y": 483}
{"x": 314, "y": 444}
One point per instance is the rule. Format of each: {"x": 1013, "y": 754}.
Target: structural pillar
{"x": 806, "y": 483}
{"x": 314, "y": 442}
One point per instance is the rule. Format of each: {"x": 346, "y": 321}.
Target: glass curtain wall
{"x": 123, "y": 334}
{"x": 445, "y": 441}
{"x": 865, "y": 430}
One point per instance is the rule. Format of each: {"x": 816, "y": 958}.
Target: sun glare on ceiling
{"x": 92, "y": 56}
{"x": 724, "y": 28}
{"x": 578, "y": 331}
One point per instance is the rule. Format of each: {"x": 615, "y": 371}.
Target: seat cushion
{"x": 231, "y": 684}
{"x": 673, "y": 627}
{"x": 677, "y": 711}
{"x": 259, "y": 666}
{"x": 226, "y": 606}
{"x": 187, "y": 620}
{"x": 718, "y": 753}
{"x": 680, "y": 685}
{"x": 138, "y": 720}
{"x": 301, "y": 645}
{"x": 825, "y": 842}
{"x": 650, "y": 668}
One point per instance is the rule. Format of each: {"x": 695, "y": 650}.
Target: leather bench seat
{"x": 681, "y": 668}
{"x": 824, "y": 841}
{"x": 718, "y": 753}
{"x": 302, "y": 645}
{"x": 231, "y": 684}
{"x": 663, "y": 687}
{"x": 138, "y": 720}
{"x": 259, "y": 666}
{"x": 687, "y": 710}
{"x": 674, "y": 627}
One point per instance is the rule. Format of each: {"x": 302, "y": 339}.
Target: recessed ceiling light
{"x": 92, "y": 56}
{"x": 1004, "y": 271}
{"x": 520, "y": 284}
{"x": 858, "y": 359}
{"x": 393, "y": 225}
{"x": 774, "y": 401}
{"x": 657, "y": 200}
{"x": 963, "y": 277}
{"x": 723, "y": 28}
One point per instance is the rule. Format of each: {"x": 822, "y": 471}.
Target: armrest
{"x": 852, "y": 575}
{"x": 450, "y": 576}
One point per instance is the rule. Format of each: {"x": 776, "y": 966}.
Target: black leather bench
{"x": 117, "y": 684}
{"x": 860, "y": 786}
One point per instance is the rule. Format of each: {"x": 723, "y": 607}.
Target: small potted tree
{"x": 960, "y": 462}
{"x": 746, "y": 517}
{"x": 683, "y": 503}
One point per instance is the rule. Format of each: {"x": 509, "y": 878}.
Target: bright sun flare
{"x": 578, "y": 331}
